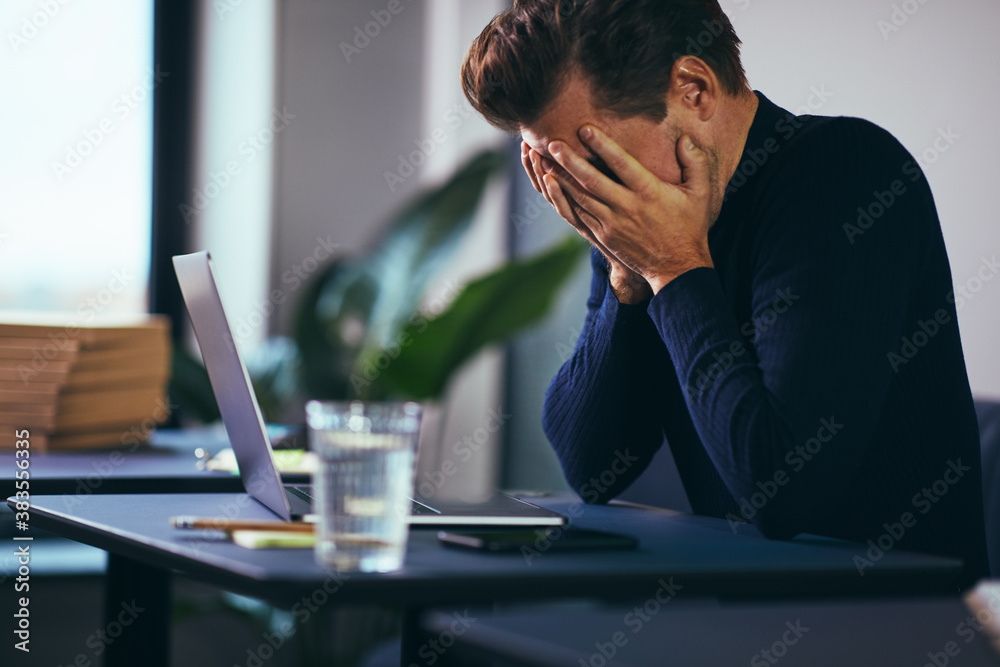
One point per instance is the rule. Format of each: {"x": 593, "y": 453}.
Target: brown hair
{"x": 627, "y": 49}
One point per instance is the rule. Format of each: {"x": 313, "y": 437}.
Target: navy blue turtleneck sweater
{"x": 813, "y": 381}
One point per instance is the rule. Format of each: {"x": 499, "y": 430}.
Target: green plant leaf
{"x": 489, "y": 310}
{"x": 327, "y": 348}
{"x": 418, "y": 242}
{"x": 362, "y": 304}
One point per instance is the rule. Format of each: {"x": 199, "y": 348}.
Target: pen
{"x": 229, "y": 525}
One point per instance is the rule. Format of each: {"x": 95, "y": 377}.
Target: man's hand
{"x": 627, "y": 286}
{"x": 655, "y": 229}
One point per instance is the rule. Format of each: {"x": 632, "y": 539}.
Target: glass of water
{"x": 363, "y": 482}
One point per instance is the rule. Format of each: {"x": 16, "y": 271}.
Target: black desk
{"x": 700, "y": 556}
{"x": 878, "y": 633}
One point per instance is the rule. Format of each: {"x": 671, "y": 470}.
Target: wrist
{"x": 628, "y": 287}
{"x": 677, "y": 269}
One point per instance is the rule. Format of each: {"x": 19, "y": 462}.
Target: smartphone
{"x": 540, "y": 539}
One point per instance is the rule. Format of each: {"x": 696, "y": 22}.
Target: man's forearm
{"x": 600, "y": 407}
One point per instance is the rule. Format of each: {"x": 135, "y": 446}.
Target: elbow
{"x": 774, "y": 522}
{"x": 593, "y": 494}
{"x": 777, "y": 528}
{"x": 580, "y": 480}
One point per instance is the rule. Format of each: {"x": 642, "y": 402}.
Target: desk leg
{"x": 136, "y": 614}
{"x": 413, "y": 637}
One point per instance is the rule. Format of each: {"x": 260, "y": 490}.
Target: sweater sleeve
{"x": 788, "y": 414}
{"x": 602, "y": 409}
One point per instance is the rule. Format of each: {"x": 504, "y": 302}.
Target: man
{"x": 771, "y": 293}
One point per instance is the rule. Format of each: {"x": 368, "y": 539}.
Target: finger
{"x": 633, "y": 175}
{"x": 588, "y": 176}
{"x": 576, "y": 220}
{"x": 576, "y": 193}
{"x": 565, "y": 208}
{"x": 579, "y": 199}
{"x": 526, "y": 162}
{"x": 694, "y": 166}
{"x": 537, "y": 166}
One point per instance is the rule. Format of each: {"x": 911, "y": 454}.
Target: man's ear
{"x": 693, "y": 88}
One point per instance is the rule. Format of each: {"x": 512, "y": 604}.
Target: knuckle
{"x": 591, "y": 183}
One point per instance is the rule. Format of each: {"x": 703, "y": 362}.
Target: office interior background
{"x": 301, "y": 109}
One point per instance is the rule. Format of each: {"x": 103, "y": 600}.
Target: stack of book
{"x": 72, "y": 385}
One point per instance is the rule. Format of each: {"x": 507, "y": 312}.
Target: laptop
{"x": 248, "y": 435}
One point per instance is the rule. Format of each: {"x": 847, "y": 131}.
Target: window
{"x": 76, "y": 176}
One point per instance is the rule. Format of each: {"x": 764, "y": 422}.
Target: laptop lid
{"x": 231, "y": 382}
